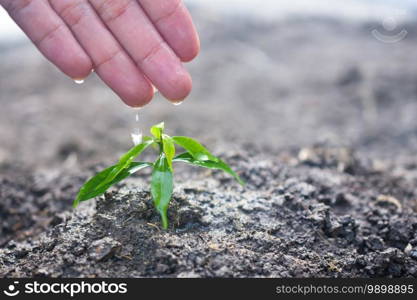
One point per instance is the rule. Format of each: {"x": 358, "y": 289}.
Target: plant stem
{"x": 164, "y": 220}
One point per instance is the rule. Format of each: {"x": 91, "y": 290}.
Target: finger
{"x": 174, "y": 23}
{"x": 111, "y": 62}
{"x": 50, "y": 34}
{"x": 135, "y": 32}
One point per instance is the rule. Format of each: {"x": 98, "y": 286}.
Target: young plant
{"x": 162, "y": 169}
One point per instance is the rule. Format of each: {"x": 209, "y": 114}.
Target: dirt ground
{"x": 316, "y": 115}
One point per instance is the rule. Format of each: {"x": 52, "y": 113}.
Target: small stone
{"x": 103, "y": 249}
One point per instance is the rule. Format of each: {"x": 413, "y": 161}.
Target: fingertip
{"x": 190, "y": 51}
{"x": 182, "y": 86}
{"x": 77, "y": 66}
{"x": 145, "y": 99}
{"x": 139, "y": 97}
{"x": 85, "y": 65}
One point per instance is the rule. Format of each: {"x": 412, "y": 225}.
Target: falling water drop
{"x": 79, "y": 81}
{"x": 137, "y": 133}
{"x": 136, "y": 136}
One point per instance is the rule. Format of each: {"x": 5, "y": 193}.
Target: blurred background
{"x": 279, "y": 74}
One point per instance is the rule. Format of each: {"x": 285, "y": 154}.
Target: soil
{"x": 316, "y": 115}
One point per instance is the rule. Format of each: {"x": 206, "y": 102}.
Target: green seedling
{"x": 162, "y": 169}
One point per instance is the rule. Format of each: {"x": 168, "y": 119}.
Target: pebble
{"x": 103, "y": 249}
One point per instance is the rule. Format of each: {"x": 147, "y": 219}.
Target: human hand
{"x": 130, "y": 44}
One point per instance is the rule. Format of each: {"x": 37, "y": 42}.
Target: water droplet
{"x": 177, "y": 103}
{"x": 137, "y": 108}
{"x": 79, "y": 81}
{"x": 137, "y": 133}
{"x": 136, "y": 137}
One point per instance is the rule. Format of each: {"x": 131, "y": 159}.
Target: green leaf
{"x": 157, "y": 130}
{"x": 219, "y": 164}
{"x": 169, "y": 149}
{"x": 135, "y": 151}
{"x": 162, "y": 187}
{"x": 93, "y": 187}
{"x": 197, "y": 151}
{"x": 126, "y": 159}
